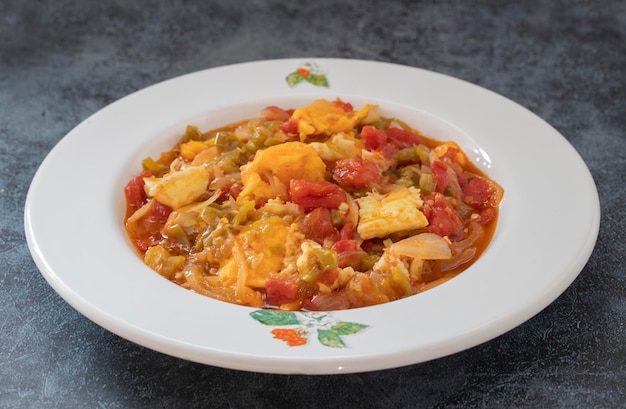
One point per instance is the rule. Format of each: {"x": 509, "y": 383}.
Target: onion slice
{"x": 423, "y": 246}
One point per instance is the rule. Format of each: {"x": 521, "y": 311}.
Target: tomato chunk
{"x": 450, "y": 156}
{"x": 329, "y": 276}
{"x": 440, "y": 173}
{"x": 290, "y": 127}
{"x": 476, "y": 192}
{"x": 318, "y": 226}
{"x": 403, "y": 138}
{"x": 147, "y": 231}
{"x": 134, "y": 191}
{"x": 347, "y": 231}
{"x": 159, "y": 212}
{"x": 274, "y": 113}
{"x": 377, "y": 140}
{"x": 349, "y": 252}
{"x": 346, "y": 106}
{"x": 356, "y": 173}
{"x": 373, "y": 137}
{"x": 487, "y": 215}
{"x": 442, "y": 219}
{"x": 280, "y": 291}
{"x": 311, "y": 194}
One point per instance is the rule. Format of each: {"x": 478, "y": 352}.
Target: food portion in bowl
{"x": 322, "y": 207}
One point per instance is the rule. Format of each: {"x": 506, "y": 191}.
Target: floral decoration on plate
{"x": 296, "y": 328}
{"x": 309, "y": 72}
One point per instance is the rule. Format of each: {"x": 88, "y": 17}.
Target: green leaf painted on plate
{"x": 347, "y": 328}
{"x": 294, "y": 78}
{"x": 330, "y": 339}
{"x": 275, "y": 318}
{"x": 317, "y": 80}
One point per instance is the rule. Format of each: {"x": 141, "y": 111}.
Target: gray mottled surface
{"x": 61, "y": 61}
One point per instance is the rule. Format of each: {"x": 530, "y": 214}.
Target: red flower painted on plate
{"x": 308, "y": 72}
{"x": 291, "y": 336}
{"x": 304, "y": 72}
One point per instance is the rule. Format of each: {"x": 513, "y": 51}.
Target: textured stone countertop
{"x": 61, "y": 61}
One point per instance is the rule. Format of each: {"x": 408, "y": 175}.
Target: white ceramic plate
{"x": 548, "y": 224}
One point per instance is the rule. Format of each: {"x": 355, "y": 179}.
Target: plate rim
{"x": 325, "y": 364}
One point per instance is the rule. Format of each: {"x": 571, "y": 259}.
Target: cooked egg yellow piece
{"x": 324, "y": 117}
{"x": 265, "y": 247}
{"x": 269, "y": 173}
{"x": 179, "y": 188}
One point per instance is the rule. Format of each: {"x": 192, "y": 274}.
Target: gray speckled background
{"x": 61, "y": 61}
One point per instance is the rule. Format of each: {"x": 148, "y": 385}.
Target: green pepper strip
{"x": 326, "y": 260}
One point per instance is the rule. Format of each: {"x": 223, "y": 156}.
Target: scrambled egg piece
{"x": 396, "y": 211}
{"x": 308, "y": 257}
{"x": 190, "y": 149}
{"x": 179, "y": 188}
{"x": 265, "y": 247}
{"x": 268, "y": 175}
{"x": 323, "y": 117}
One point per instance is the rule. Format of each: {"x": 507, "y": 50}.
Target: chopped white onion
{"x": 424, "y": 246}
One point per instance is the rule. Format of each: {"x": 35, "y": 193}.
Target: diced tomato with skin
{"x": 442, "y": 218}
{"x": 134, "y": 191}
{"x": 440, "y": 173}
{"x": 346, "y": 106}
{"x": 376, "y": 140}
{"x": 403, "y": 138}
{"x": 235, "y": 190}
{"x": 476, "y": 192}
{"x": 144, "y": 243}
{"x": 388, "y": 150}
{"x": 290, "y": 127}
{"x": 347, "y": 232}
{"x": 230, "y": 190}
{"x": 348, "y": 252}
{"x": 345, "y": 246}
{"x": 159, "y": 212}
{"x": 486, "y": 215}
{"x": 373, "y": 138}
{"x": 318, "y": 226}
{"x": 462, "y": 178}
{"x": 328, "y": 277}
{"x": 148, "y": 230}
{"x": 224, "y": 192}
{"x": 280, "y": 291}
{"x": 356, "y": 173}
{"x": 274, "y": 113}
{"x": 450, "y": 155}
{"x": 444, "y": 222}
{"x": 312, "y": 194}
